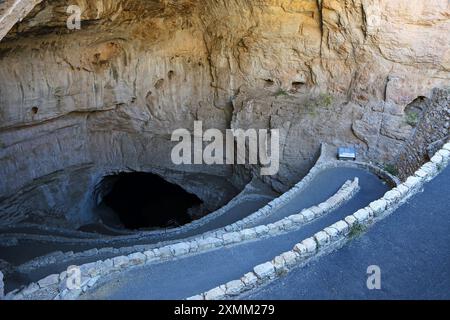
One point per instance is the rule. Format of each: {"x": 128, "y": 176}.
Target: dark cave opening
{"x": 145, "y": 200}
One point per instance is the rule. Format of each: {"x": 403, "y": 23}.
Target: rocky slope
{"x": 77, "y": 105}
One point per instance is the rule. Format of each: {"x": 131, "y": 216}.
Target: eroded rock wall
{"x": 76, "y": 105}
{"x": 431, "y": 133}
{"x": 95, "y": 103}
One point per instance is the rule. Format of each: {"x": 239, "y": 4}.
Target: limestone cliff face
{"x": 76, "y": 105}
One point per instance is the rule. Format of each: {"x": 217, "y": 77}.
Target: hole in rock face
{"x": 35, "y": 110}
{"x": 415, "y": 110}
{"x": 159, "y": 84}
{"x": 145, "y": 200}
{"x": 269, "y": 83}
{"x": 418, "y": 105}
{"x": 297, "y": 86}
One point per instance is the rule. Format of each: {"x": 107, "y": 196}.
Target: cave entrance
{"x": 145, "y": 200}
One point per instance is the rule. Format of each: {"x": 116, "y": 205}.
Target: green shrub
{"x": 390, "y": 168}
{"x": 324, "y": 100}
{"x": 281, "y": 92}
{"x": 356, "y": 230}
{"x": 412, "y": 118}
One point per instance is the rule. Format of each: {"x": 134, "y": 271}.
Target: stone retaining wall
{"x": 432, "y": 129}
{"x": 333, "y": 236}
{"x": 55, "y": 285}
{"x": 324, "y": 161}
{"x": 263, "y": 212}
{"x": 321, "y": 165}
{"x": 232, "y": 234}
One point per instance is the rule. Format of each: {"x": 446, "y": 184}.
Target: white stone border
{"x": 61, "y": 256}
{"x": 92, "y": 272}
{"x": 263, "y": 212}
{"x": 333, "y": 236}
{"x": 321, "y": 164}
{"x": 325, "y": 161}
{"x": 229, "y": 235}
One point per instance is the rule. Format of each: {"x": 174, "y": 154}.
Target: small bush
{"x": 356, "y": 230}
{"x": 390, "y": 168}
{"x": 412, "y": 118}
{"x": 324, "y": 100}
{"x": 282, "y": 272}
{"x": 281, "y": 92}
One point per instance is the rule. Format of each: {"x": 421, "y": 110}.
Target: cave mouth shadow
{"x": 145, "y": 200}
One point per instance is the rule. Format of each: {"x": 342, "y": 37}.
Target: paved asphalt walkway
{"x": 412, "y": 248}
{"x": 186, "y": 277}
{"x": 27, "y": 250}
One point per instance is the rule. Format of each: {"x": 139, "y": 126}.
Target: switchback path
{"x": 412, "y": 248}
{"x": 188, "y": 276}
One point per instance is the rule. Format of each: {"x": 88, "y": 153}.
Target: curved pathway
{"x": 34, "y": 243}
{"x": 61, "y": 254}
{"x": 412, "y": 248}
{"x": 188, "y": 276}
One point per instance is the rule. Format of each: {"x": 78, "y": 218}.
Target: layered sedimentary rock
{"x": 77, "y": 105}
